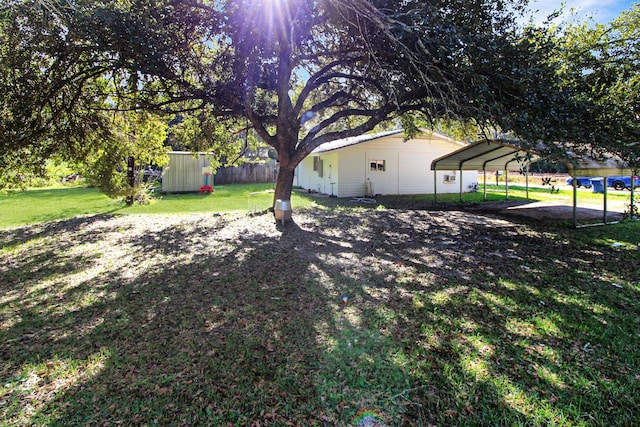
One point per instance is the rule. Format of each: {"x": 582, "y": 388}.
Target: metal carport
{"x": 605, "y": 168}
{"x": 500, "y": 155}
{"x": 486, "y": 155}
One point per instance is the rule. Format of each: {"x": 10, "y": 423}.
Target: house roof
{"x": 355, "y": 140}
{"x": 485, "y": 155}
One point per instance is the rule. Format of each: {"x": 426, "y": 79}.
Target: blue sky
{"x": 602, "y": 11}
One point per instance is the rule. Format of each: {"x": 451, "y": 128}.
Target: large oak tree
{"x": 298, "y": 72}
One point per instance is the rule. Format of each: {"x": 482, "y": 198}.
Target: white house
{"x": 382, "y": 163}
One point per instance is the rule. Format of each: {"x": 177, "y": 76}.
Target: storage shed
{"x": 382, "y": 163}
{"x": 184, "y": 173}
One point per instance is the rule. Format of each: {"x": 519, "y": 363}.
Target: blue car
{"x": 622, "y": 182}
{"x": 581, "y": 181}
{"x": 615, "y": 182}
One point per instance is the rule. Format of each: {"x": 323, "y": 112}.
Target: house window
{"x": 377, "y": 165}
{"x": 450, "y": 178}
{"x": 318, "y": 165}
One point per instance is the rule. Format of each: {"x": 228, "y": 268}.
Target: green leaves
{"x": 133, "y": 134}
{"x": 301, "y": 73}
{"x": 600, "y": 65}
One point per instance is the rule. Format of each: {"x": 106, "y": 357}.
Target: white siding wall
{"x": 304, "y": 172}
{"x": 407, "y": 168}
{"x": 317, "y": 180}
{"x": 184, "y": 173}
{"x": 415, "y": 175}
{"x": 469, "y": 178}
{"x": 356, "y": 177}
{"x": 352, "y": 174}
{"x": 386, "y": 181}
{"x": 331, "y": 172}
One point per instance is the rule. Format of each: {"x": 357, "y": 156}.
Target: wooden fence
{"x": 248, "y": 173}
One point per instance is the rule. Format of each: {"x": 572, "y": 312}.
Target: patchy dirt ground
{"x": 351, "y": 240}
{"x": 555, "y": 212}
{"x": 234, "y": 319}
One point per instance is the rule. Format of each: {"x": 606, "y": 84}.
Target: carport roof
{"x": 499, "y": 155}
{"x": 589, "y": 167}
{"x": 486, "y": 155}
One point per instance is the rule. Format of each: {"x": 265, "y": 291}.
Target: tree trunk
{"x": 284, "y": 181}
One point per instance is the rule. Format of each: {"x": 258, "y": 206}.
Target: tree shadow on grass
{"x": 451, "y": 318}
{"x": 514, "y": 319}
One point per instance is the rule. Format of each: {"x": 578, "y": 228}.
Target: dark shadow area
{"x": 450, "y": 318}
{"x": 516, "y": 208}
{"x": 522, "y": 209}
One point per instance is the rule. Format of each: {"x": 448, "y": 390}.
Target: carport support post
{"x": 484, "y": 184}
{"x": 460, "y": 185}
{"x": 575, "y": 202}
{"x": 506, "y": 184}
{"x": 604, "y": 192}
{"x": 435, "y": 186}
{"x": 632, "y": 205}
{"x": 526, "y": 179}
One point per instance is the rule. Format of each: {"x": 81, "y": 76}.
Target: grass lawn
{"x": 50, "y": 204}
{"x": 450, "y": 318}
{"x": 41, "y": 205}
{"x": 519, "y": 192}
